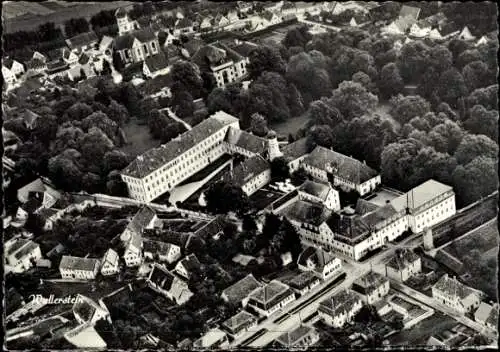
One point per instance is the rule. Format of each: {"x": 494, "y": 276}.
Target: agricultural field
{"x": 27, "y": 15}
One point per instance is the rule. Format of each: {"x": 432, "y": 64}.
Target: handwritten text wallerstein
{"x": 53, "y": 300}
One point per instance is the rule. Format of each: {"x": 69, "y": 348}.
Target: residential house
{"x": 272, "y": 6}
{"x": 169, "y": 38}
{"x": 220, "y": 20}
{"x": 449, "y": 291}
{"x": 372, "y": 287}
{"x": 157, "y": 87}
{"x": 270, "y": 298}
{"x": 301, "y": 337}
{"x": 35, "y": 66}
{"x": 340, "y": 308}
{"x": 238, "y": 324}
{"x": 320, "y": 262}
{"x": 206, "y": 22}
{"x": 57, "y": 69}
{"x": 165, "y": 283}
{"x": 251, "y": 175}
{"x": 32, "y": 206}
{"x": 110, "y": 263}
{"x": 419, "y": 32}
{"x": 164, "y": 252}
{"x": 78, "y": 268}
{"x": 321, "y": 193}
{"x": 303, "y": 282}
{"x": 466, "y": 35}
{"x": 340, "y": 170}
{"x": 58, "y": 249}
{"x": 310, "y": 221}
{"x": 44, "y": 263}
{"x": 404, "y": 264}
{"x": 188, "y": 266}
{"x": 133, "y": 250}
{"x": 156, "y": 65}
{"x": 232, "y": 16}
{"x": 87, "y": 310}
{"x": 487, "y": 315}
{"x": 21, "y": 254}
{"x": 183, "y": 26}
{"x": 40, "y": 185}
{"x": 11, "y": 70}
{"x": 83, "y": 42}
{"x": 136, "y": 46}
{"x": 223, "y": 62}
{"x": 30, "y": 119}
{"x": 214, "y": 338}
{"x": 239, "y": 292}
{"x": 409, "y": 11}
{"x": 269, "y": 18}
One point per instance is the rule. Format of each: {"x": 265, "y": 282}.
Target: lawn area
{"x": 483, "y": 239}
{"x": 138, "y": 138}
{"x": 292, "y": 125}
{"x": 420, "y": 333}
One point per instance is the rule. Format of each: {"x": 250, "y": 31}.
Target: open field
{"x": 138, "y": 138}
{"x": 27, "y": 16}
{"x": 420, "y": 333}
{"x": 292, "y": 125}
{"x": 483, "y": 239}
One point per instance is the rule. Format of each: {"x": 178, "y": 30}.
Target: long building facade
{"x": 160, "y": 169}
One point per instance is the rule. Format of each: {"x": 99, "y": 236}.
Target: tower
{"x": 124, "y": 23}
{"x": 428, "y": 239}
{"x": 273, "y": 148}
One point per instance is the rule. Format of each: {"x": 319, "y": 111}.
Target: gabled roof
{"x": 369, "y": 282}
{"x": 120, "y": 13}
{"x": 144, "y": 35}
{"x": 245, "y": 140}
{"x": 156, "y": 84}
{"x": 157, "y": 62}
{"x": 363, "y": 207}
{"x": 209, "y": 54}
{"x": 110, "y": 257}
{"x": 81, "y": 39}
{"x": 454, "y": 288}
{"x": 184, "y": 23}
{"x": 302, "y": 280}
{"x": 409, "y": 11}
{"x": 420, "y": 195}
{"x": 341, "y": 303}
{"x": 244, "y": 48}
{"x": 267, "y": 15}
{"x": 295, "y": 150}
{"x": 376, "y": 218}
{"x": 30, "y": 117}
{"x": 157, "y": 246}
{"x": 127, "y": 40}
{"x": 241, "y": 289}
{"x": 37, "y": 185}
{"x": 342, "y": 166}
{"x": 319, "y": 257}
{"x": 144, "y": 164}
{"x": 270, "y": 294}
{"x": 77, "y": 263}
{"x": 210, "y": 338}
{"x": 288, "y": 5}
{"x": 483, "y": 312}
{"x": 306, "y": 212}
{"x": 161, "y": 277}
{"x": 246, "y": 171}
{"x": 241, "y": 318}
{"x": 316, "y": 189}
{"x": 141, "y": 219}
{"x": 402, "y": 259}
{"x": 190, "y": 263}
{"x": 291, "y": 339}
{"x": 85, "y": 308}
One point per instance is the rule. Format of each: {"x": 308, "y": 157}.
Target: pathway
{"x": 173, "y": 116}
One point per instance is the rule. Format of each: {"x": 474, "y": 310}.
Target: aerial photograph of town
{"x": 227, "y": 175}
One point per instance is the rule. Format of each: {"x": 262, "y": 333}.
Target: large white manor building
{"x": 160, "y": 169}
